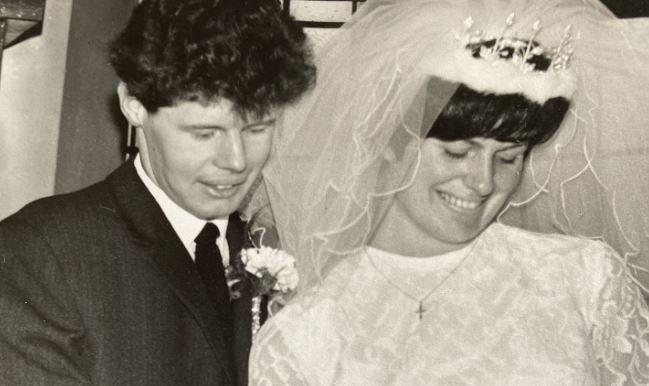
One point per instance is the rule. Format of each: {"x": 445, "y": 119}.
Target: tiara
{"x": 525, "y": 53}
{"x": 508, "y": 64}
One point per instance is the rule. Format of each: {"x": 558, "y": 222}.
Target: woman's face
{"x": 459, "y": 189}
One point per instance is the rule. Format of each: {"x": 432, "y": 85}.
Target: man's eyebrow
{"x": 262, "y": 123}
{"x": 199, "y": 126}
{"x": 206, "y": 126}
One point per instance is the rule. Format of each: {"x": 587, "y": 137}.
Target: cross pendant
{"x": 420, "y": 311}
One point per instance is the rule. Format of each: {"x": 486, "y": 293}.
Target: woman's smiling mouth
{"x": 459, "y": 203}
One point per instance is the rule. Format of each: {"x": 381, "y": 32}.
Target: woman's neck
{"x": 397, "y": 235}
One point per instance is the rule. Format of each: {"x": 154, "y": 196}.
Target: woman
{"x": 424, "y": 125}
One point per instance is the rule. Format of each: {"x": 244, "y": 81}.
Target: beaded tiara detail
{"x": 507, "y": 64}
{"x": 526, "y": 53}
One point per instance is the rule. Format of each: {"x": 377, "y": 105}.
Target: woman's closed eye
{"x": 510, "y": 157}
{"x": 457, "y": 150}
{"x": 456, "y": 154}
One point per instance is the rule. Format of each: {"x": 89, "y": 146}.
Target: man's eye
{"x": 203, "y": 134}
{"x": 256, "y": 129}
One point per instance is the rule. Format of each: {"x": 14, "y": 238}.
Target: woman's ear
{"x": 132, "y": 108}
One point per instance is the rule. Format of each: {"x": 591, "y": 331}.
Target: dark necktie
{"x": 210, "y": 268}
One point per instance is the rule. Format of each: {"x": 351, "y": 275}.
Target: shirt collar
{"x": 186, "y": 225}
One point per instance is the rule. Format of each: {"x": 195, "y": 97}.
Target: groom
{"x": 122, "y": 283}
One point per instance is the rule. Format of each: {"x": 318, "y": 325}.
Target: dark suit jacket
{"x": 95, "y": 287}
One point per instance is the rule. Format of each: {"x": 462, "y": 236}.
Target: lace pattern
{"x": 621, "y": 332}
{"x": 527, "y": 309}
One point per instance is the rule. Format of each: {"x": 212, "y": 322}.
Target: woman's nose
{"x": 231, "y": 152}
{"x": 480, "y": 177}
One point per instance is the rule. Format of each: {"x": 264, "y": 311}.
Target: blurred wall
{"x": 31, "y": 90}
{"x": 92, "y": 128}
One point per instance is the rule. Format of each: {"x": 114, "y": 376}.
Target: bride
{"x": 430, "y": 120}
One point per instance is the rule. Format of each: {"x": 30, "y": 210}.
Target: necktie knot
{"x": 208, "y": 235}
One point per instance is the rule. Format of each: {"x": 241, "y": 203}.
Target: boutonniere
{"x": 267, "y": 272}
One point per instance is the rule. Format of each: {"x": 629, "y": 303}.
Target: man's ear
{"x": 132, "y": 109}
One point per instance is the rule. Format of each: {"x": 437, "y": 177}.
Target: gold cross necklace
{"x": 420, "y": 301}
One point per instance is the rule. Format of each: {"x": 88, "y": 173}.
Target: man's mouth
{"x": 223, "y": 190}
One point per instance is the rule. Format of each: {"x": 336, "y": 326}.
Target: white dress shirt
{"x": 186, "y": 225}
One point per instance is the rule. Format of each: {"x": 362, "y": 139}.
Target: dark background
{"x": 628, "y": 8}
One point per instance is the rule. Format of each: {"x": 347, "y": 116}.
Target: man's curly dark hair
{"x": 246, "y": 51}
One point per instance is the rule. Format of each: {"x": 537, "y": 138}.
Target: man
{"x": 122, "y": 283}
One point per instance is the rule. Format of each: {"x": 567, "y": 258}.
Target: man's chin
{"x": 222, "y": 211}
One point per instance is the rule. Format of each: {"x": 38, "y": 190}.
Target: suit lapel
{"x": 241, "y": 308}
{"x": 150, "y": 227}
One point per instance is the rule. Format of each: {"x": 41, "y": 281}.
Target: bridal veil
{"x": 341, "y": 154}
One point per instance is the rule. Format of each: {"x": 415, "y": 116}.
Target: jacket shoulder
{"x": 73, "y": 205}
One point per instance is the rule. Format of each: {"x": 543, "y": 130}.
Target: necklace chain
{"x": 420, "y": 309}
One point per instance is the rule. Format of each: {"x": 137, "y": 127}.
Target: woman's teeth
{"x": 458, "y": 202}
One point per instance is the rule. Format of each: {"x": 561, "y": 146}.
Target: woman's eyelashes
{"x": 507, "y": 157}
{"x": 457, "y": 150}
{"x": 511, "y": 156}
{"x": 456, "y": 154}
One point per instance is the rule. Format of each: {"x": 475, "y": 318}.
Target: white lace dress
{"x": 518, "y": 308}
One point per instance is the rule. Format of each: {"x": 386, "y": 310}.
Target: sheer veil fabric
{"x": 344, "y": 151}
{"x": 592, "y": 179}
{"x": 342, "y": 154}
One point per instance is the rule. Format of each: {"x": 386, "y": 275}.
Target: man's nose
{"x": 480, "y": 177}
{"x": 232, "y": 152}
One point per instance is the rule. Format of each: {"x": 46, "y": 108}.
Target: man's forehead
{"x": 222, "y": 109}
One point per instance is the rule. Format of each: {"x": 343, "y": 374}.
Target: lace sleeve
{"x": 272, "y": 362}
{"x": 621, "y": 331}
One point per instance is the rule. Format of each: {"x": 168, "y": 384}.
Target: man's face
{"x": 204, "y": 156}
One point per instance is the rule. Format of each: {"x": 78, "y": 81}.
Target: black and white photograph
{"x": 324, "y": 192}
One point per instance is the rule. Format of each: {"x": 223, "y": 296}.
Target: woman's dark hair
{"x": 506, "y": 117}
{"x": 247, "y": 51}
